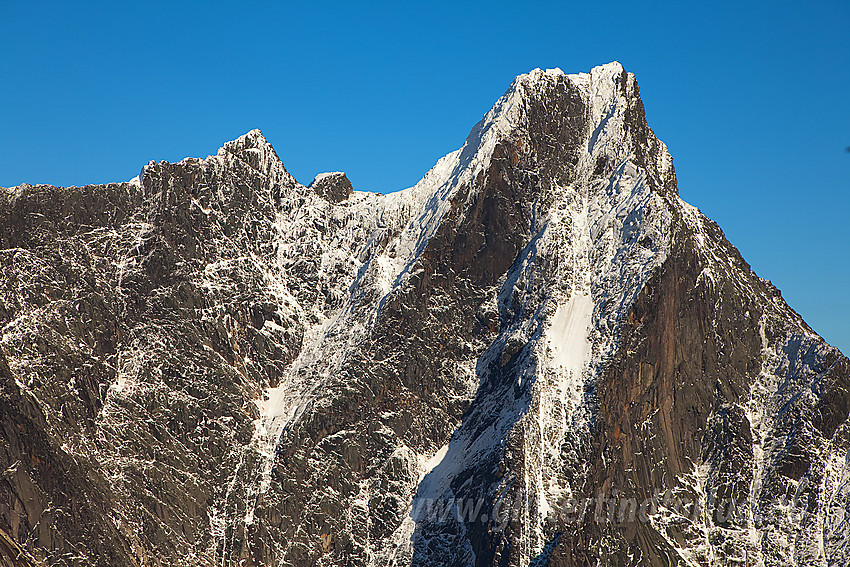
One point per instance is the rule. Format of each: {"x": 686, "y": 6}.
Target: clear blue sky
{"x": 751, "y": 98}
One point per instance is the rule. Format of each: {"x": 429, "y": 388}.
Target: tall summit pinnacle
{"x": 539, "y": 354}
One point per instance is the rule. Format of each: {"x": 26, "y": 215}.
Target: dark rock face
{"x": 335, "y": 186}
{"x": 130, "y": 321}
{"x": 213, "y": 364}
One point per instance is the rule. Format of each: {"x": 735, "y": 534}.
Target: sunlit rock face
{"x": 539, "y": 354}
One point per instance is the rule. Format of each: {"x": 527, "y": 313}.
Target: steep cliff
{"x": 538, "y": 354}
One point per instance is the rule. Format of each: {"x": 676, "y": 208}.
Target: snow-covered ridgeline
{"x": 388, "y": 236}
{"x": 201, "y": 287}
{"x": 605, "y": 235}
{"x": 377, "y": 238}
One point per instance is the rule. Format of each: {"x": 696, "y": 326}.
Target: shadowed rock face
{"x": 212, "y": 364}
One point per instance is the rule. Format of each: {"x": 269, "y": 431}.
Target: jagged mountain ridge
{"x": 213, "y": 364}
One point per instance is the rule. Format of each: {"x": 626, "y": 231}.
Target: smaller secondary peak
{"x": 251, "y": 140}
{"x": 333, "y": 186}
{"x": 253, "y": 149}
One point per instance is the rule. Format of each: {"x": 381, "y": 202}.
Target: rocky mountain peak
{"x": 216, "y": 365}
{"x": 251, "y": 140}
{"x": 253, "y": 149}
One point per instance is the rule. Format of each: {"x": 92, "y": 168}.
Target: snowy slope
{"x": 228, "y": 367}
